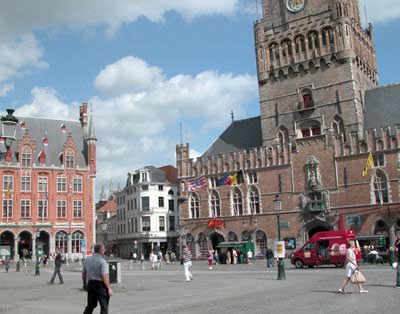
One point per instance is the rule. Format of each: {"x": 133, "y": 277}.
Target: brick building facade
{"x": 47, "y": 186}
{"x": 321, "y": 114}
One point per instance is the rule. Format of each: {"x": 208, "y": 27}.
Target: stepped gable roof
{"x": 382, "y": 107}
{"x": 40, "y": 128}
{"x": 240, "y": 135}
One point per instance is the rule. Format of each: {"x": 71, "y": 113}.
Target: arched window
{"x": 62, "y": 241}
{"x": 26, "y": 156}
{"x": 337, "y": 126}
{"x": 194, "y": 206}
{"x": 307, "y": 97}
{"x": 261, "y": 242}
{"x": 300, "y": 44}
{"x": 254, "y": 200}
{"x": 283, "y": 136}
{"x": 313, "y": 40}
{"x": 215, "y": 204}
{"x": 77, "y": 238}
{"x": 69, "y": 159}
{"x": 237, "y": 202}
{"x": 380, "y": 187}
{"x": 310, "y": 128}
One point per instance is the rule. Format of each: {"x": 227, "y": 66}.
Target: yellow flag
{"x": 369, "y": 164}
{"x": 234, "y": 179}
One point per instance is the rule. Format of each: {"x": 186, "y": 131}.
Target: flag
{"x": 223, "y": 180}
{"x": 236, "y": 178}
{"x": 197, "y": 183}
{"x": 398, "y": 164}
{"x": 368, "y": 165}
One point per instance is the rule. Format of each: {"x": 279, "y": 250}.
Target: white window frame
{"x": 43, "y": 181}
{"x": 24, "y": 205}
{"x": 61, "y": 204}
{"x": 77, "y": 208}
{"x": 25, "y": 183}
{"x": 61, "y": 184}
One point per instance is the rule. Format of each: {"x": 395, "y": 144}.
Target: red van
{"x": 325, "y": 248}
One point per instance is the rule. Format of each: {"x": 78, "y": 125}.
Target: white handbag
{"x": 395, "y": 265}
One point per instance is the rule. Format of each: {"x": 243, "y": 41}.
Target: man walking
{"x": 187, "y": 262}
{"x": 95, "y": 273}
{"x": 57, "y": 268}
{"x": 269, "y": 255}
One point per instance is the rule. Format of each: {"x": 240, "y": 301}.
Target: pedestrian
{"x": 159, "y": 261}
{"x": 235, "y": 256}
{"x": 6, "y": 262}
{"x": 397, "y": 249}
{"x": 269, "y": 255}
{"x": 210, "y": 259}
{"x": 57, "y": 267}
{"x": 141, "y": 258}
{"x": 187, "y": 263}
{"x": 135, "y": 257}
{"x": 216, "y": 257}
{"x": 167, "y": 257}
{"x": 228, "y": 257}
{"x": 152, "y": 260}
{"x": 95, "y": 274}
{"x": 351, "y": 267}
{"x": 249, "y": 256}
{"x": 173, "y": 257}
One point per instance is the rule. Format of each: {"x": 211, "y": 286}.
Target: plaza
{"x": 225, "y": 289}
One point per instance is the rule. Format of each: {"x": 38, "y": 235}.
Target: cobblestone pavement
{"x": 225, "y": 289}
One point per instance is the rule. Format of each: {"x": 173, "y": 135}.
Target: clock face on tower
{"x": 295, "y": 5}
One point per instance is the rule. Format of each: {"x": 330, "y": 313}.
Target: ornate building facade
{"x": 48, "y": 171}
{"x": 321, "y": 114}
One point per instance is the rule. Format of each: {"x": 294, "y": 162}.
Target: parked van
{"x": 326, "y": 248}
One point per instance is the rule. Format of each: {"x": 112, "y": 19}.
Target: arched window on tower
{"x": 237, "y": 202}
{"x": 308, "y": 101}
{"x": 215, "y": 204}
{"x": 380, "y": 187}
{"x": 194, "y": 206}
{"x": 338, "y": 126}
{"x": 254, "y": 200}
{"x": 313, "y": 40}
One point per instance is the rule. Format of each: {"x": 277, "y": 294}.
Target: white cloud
{"x": 20, "y": 16}
{"x": 17, "y": 57}
{"x": 139, "y": 126}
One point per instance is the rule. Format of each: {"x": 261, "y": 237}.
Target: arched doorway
{"x": 7, "y": 242}
{"x": 261, "y": 243}
{"x": 215, "y": 239}
{"x": 42, "y": 243}
{"x": 317, "y": 226}
{"x": 62, "y": 242}
{"x": 25, "y": 244}
{"x": 203, "y": 245}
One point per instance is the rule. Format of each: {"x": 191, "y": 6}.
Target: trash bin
{"x": 114, "y": 271}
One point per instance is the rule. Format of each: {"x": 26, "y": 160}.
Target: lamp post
{"x": 281, "y": 265}
{"x": 37, "y": 267}
{"x": 18, "y": 265}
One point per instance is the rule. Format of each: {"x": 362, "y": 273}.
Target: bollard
{"x": 18, "y": 267}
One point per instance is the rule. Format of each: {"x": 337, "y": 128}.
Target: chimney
{"x": 83, "y": 114}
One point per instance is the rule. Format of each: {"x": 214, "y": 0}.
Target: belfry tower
{"x": 314, "y": 64}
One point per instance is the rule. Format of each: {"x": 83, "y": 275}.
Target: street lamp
{"x": 18, "y": 265}
{"x": 281, "y": 265}
{"x": 37, "y": 268}
{"x": 8, "y": 131}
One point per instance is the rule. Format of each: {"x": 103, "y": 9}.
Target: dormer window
{"x": 144, "y": 176}
{"x": 26, "y": 157}
{"x": 308, "y": 101}
{"x": 69, "y": 160}
{"x": 42, "y": 157}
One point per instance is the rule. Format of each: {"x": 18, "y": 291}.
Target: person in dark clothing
{"x": 95, "y": 274}
{"x": 57, "y": 268}
{"x": 397, "y": 247}
{"x": 269, "y": 255}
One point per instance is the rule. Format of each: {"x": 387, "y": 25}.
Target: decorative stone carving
{"x": 314, "y": 181}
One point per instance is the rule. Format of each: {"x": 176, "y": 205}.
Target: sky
{"x": 146, "y": 67}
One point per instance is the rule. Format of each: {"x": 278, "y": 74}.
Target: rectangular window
{"x": 69, "y": 161}
{"x": 379, "y": 160}
{"x": 145, "y": 224}
{"x": 61, "y": 209}
{"x": 171, "y": 223}
{"x": 252, "y": 176}
{"x": 25, "y": 184}
{"x": 144, "y": 177}
{"x": 42, "y": 209}
{"x": 77, "y": 184}
{"x": 161, "y": 202}
{"x": 145, "y": 203}
{"x": 161, "y": 188}
{"x": 42, "y": 184}
{"x": 162, "y": 223}
{"x": 171, "y": 206}
{"x": 8, "y": 183}
{"x": 136, "y": 225}
{"x": 26, "y": 160}
{"x": 25, "y": 209}
{"x": 61, "y": 184}
{"x": 77, "y": 210}
{"x": 7, "y": 209}
{"x": 135, "y": 200}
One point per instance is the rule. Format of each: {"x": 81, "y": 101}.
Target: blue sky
{"x": 144, "y": 66}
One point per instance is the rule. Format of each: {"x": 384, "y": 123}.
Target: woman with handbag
{"x": 352, "y": 270}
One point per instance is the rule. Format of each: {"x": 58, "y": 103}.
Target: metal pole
{"x": 281, "y": 263}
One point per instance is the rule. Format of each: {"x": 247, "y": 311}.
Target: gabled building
{"x": 322, "y": 114}
{"x": 47, "y": 188}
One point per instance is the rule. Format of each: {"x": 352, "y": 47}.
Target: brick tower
{"x": 314, "y": 64}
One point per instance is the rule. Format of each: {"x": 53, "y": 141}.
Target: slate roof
{"x": 51, "y": 129}
{"x": 240, "y": 135}
{"x": 157, "y": 175}
{"x": 382, "y": 107}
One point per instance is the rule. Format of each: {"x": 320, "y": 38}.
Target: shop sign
{"x": 279, "y": 249}
{"x": 215, "y": 223}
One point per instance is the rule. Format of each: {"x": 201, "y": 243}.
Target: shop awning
{"x": 231, "y": 244}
